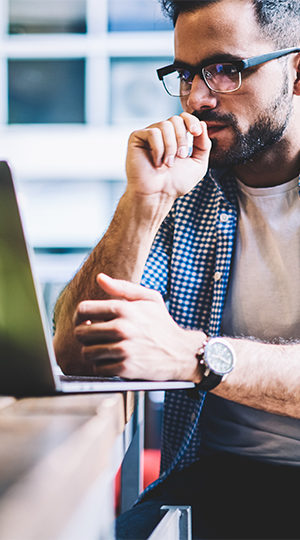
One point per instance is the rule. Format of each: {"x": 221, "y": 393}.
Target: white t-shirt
{"x": 263, "y": 301}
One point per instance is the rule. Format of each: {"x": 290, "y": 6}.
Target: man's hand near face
{"x": 158, "y": 160}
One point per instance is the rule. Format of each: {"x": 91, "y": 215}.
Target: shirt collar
{"x": 225, "y": 181}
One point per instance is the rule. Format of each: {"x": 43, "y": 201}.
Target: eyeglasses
{"x": 222, "y": 77}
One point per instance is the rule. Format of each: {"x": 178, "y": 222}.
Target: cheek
{"x": 262, "y": 89}
{"x": 246, "y": 107}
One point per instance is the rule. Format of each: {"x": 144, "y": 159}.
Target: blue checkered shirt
{"x": 189, "y": 264}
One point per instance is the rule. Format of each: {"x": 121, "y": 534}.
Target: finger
{"x": 168, "y": 138}
{"x": 150, "y": 140}
{"x": 103, "y": 332}
{"x": 202, "y": 144}
{"x": 170, "y": 143}
{"x": 192, "y": 124}
{"x": 126, "y": 290}
{"x": 101, "y": 363}
{"x": 184, "y": 125}
{"x": 156, "y": 145}
{"x": 104, "y": 354}
{"x": 181, "y": 136}
{"x": 107, "y": 362}
{"x": 97, "y": 310}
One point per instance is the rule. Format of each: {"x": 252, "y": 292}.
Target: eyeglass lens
{"x": 218, "y": 77}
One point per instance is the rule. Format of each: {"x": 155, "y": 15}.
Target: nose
{"x": 200, "y": 96}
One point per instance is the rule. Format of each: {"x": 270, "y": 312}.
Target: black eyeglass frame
{"x": 241, "y": 65}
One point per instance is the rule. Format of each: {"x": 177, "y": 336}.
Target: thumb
{"x": 119, "y": 288}
{"x": 202, "y": 145}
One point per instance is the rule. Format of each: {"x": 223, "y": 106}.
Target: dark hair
{"x": 278, "y": 19}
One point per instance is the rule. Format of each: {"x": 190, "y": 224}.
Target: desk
{"x": 58, "y": 459}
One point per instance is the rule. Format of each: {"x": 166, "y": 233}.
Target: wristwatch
{"x": 216, "y": 358}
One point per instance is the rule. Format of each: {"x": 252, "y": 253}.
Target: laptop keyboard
{"x": 79, "y": 378}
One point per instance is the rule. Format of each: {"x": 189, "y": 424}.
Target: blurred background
{"x": 76, "y": 77}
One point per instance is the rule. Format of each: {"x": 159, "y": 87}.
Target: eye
{"x": 185, "y": 75}
{"x": 226, "y": 69}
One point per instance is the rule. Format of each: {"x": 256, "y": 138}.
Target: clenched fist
{"x": 158, "y": 160}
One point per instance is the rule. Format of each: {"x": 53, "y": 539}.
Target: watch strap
{"x": 210, "y": 379}
{"x": 209, "y": 382}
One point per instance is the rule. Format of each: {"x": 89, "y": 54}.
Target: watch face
{"x": 219, "y": 356}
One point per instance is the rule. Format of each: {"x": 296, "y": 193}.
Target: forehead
{"x": 228, "y": 26}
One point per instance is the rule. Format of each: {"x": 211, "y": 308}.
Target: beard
{"x": 267, "y": 130}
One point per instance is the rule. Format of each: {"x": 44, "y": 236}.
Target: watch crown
{"x": 201, "y": 359}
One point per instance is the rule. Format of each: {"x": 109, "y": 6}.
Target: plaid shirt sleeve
{"x": 156, "y": 273}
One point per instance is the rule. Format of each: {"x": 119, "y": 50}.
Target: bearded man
{"x": 215, "y": 232}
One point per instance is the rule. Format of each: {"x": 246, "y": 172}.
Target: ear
{"x": 297, "y": 79}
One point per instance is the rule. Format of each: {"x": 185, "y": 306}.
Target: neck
{"x": 274, "y": 166}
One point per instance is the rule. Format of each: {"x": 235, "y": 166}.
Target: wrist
{"x": 216, "y": 358}
{"x": 196, "y": 340}
{"x": 148, "y": 208}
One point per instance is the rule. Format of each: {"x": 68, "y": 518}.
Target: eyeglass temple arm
{"x": 256, "y": 60}
{"x": 242, "y": 64}
{"x": 161, "y": 72}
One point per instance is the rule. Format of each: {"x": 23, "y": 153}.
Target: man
{"x": 226, "y": 256}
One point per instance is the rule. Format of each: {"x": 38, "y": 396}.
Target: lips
{"x": 214, "y": 128}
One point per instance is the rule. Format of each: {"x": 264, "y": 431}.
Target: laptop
{"x": 27, "y": 360}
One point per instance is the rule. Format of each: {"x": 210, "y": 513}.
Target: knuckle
{"x": 82, "y": 307}
{"x": 133, "y": 135}
{"x": 154, "y": 132}
{"x": 125, "y": 350}
{"x": 116, "y": 308}
{"x": 178, "y": 122}
{"x": 121, "y": 329}
{"x": 166, "y": 125}
{"x": 187, "y": 116}
{"x": 78, "y": 332}
{"x": 122, "y": 309}
{"x": 81, "y": 312}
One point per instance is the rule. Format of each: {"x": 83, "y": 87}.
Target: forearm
{"x": 159, "y": 169}
{"x": 266, "y": 377}
{"x": 121, "y": 253}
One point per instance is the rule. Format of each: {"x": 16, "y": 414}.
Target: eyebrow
{"x": 213, "y": 59}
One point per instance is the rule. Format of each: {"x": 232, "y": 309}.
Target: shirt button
{"x": 193, "y": 417}
{"x": 217, "y": 276}
{"x": 224, "y": 218}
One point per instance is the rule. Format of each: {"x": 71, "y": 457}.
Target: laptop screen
{"x": 24, "y": 351}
